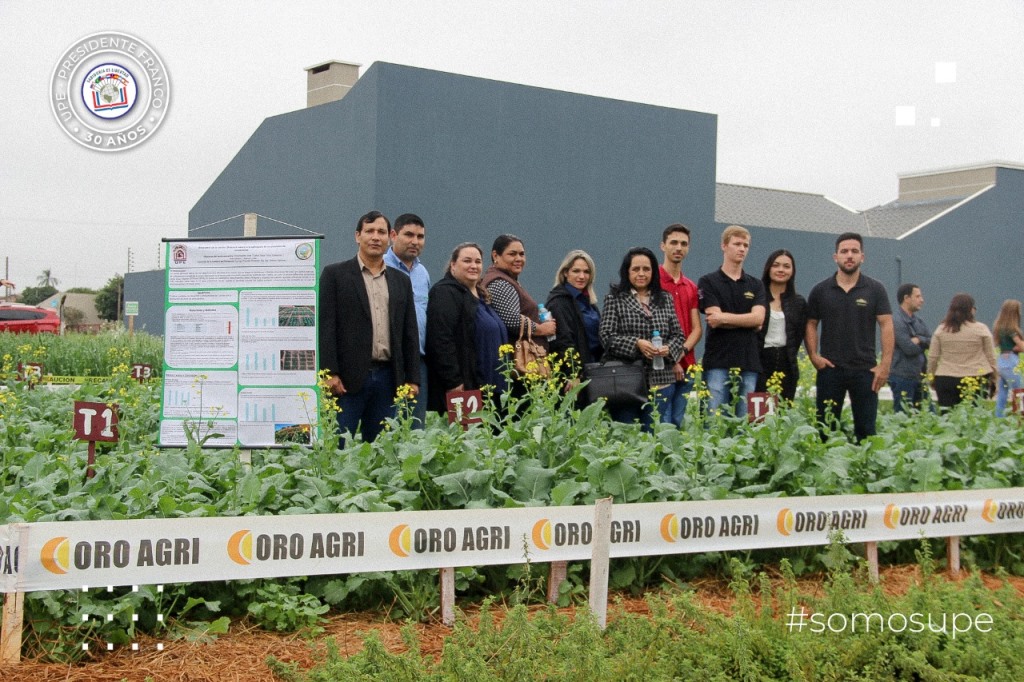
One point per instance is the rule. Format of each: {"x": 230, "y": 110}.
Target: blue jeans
{"x": 645, "y": 412}
{"x": 833, "y": 383}
{"x": 721, "y": 386}
{"x": 1008, "y": 380}
{"x": 369, "y": 406}
{"x": 905, "y": 389}
{"x": 678, "y": 394}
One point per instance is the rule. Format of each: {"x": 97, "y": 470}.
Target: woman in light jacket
{"x": 961, "y": 349}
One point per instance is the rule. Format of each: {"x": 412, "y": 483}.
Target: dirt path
{"x": 241, "y": 654}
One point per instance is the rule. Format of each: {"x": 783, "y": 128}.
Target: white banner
{"x": 49, "y": 556}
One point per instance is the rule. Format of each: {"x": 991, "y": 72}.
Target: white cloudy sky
{"x": 806, "y": 93}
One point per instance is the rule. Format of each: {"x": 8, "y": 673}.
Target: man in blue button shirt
{"x": 407, "y": 239}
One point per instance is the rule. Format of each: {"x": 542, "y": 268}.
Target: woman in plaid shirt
{"x": 633, "y": 310}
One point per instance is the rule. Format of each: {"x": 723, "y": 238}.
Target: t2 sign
{"x": 461, "y": 404}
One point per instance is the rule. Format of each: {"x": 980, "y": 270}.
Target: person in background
{"x": 782, "y": 334}
{"x": 572, "y": 300}
{"x": 508, "y": 297}
{"x": 849, "y": 305}
{"x": 675, "y": 245}
{"x": 633, "y": 310}
{"x": 463, "y": 331}
{"x": 910, "y": 355}
{"x": 961, "y": 349}
{"x": 734, "y": 304}
{"x": 1010, "y": 340}
{"x": 369, "y": 342}
{"x": 407, "y": 239}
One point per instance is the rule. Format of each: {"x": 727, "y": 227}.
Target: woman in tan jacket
{"x": 961, "y": 349}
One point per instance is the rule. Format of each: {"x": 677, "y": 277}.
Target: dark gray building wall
{"x": 313, "y": 168}
{"x": 475, "y": 158}
{"x": 975, "y": 248}
{"x": 478, "y": 158}
{"x": 148, "y": 289}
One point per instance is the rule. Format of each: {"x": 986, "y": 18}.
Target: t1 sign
{"x": 461, "y": 404}
{"x": 95, "y": 421}
{"x": 759, "y": 405}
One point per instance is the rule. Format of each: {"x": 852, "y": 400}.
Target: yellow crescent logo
{"x": 542, "y": 534}
{"x": 784, "y": 521}
{"x": 989, "y": 510}
{"x": 669, "y": 527}
{"x": 240, "y": 547}
{"x": 400, "y": 540}
{"x": 891, "y": 517}
{"x": 55, "y": 555}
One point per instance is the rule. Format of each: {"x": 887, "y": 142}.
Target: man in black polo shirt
{"x": 734, "y": 304}
{"x": 848, "y": 305}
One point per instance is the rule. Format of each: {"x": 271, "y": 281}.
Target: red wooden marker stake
{"x": 461, "y": 404}
{"x": 93, "y": 422}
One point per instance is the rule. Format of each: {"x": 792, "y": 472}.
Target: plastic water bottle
{"x": 544, "y": 314}
{"x": 656, "y": 341}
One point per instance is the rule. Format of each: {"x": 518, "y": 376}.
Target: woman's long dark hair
{"x": 961, "y": 310}
{"x": 623, "y": 286}
{"x": 766, "y": 276}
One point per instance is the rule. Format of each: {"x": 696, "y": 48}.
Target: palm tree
{"x": 47, "y": 279}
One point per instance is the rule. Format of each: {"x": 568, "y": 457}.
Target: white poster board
{"x": 240, "y": 342}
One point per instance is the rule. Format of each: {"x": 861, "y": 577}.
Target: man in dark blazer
{"x": 369, "y": 341}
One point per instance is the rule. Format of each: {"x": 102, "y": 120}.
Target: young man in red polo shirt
{"x": 675, "y": 244}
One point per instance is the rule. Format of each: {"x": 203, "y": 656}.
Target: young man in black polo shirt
{"x": 734, "y": 304}
{"x": 848, "y": 305}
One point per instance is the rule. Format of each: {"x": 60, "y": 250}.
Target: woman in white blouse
{"x": 783, "y": 331}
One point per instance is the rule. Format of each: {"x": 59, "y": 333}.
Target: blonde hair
{"x": 1008, "y": 320}
{"x": 734, "y": 231}
{"x": 563, "y": 271}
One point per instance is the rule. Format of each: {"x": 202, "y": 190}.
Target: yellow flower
{"x": 506, "y": 349}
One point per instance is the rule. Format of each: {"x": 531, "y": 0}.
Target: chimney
{"x": 329, "y": 81}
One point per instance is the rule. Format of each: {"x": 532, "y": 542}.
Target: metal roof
{"x": 782, "y": 209}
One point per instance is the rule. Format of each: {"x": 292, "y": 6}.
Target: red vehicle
{"x": 28, "y": 319}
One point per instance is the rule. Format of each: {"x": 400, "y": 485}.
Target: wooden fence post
{"x": 10, "y": 631}
{"x": 599, "y": 561}
{"x": 448, "y": 596}
{"x": 871, "y": 549}
{"x": 953, "y": 555}
{"x": 556, "y": 576}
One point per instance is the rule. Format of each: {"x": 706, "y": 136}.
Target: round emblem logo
{"x": 110, "y": 91}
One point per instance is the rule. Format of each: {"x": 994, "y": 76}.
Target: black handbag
{"x": 621, "y": 384}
